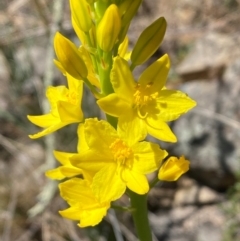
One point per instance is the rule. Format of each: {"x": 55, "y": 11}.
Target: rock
{"x": 195, "y": 194}
{"x": 208, "y": 56}
{"x": 189, "y": 223}
{"x": 209, "y": 134}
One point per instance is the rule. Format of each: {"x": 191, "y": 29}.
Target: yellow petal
{"x": 107, "y": 184}
{"x": 62, "y": 157}
{"x": 87, "y": 217}
{"x": 55, "y": 94}
{"x": 131, "y": 128}
{"x": 91, "y": 161}
{"x": 156, "y": 74}
{"x": 114, "y": 105}
{"x": 77, "y": 191}
{"x": 73, "y": 213}
{"x": 122, "y": 79}
{"x": 43, "y": 121}
{"x": 147, "y": 157}
{"x": 93, "y": 217}
{"x": 69, "y": 113}
{"x": 75, "y": 86}
{"x": 136, "y": 182}
{"x": 55, "y": 174}
{"x": 48, "y": 130}
{"x": 122, "y": 50}
{"x": 82, "y": 144}
{"x": 84, "y": 205}
{"x": 70, "y": 171}
{"x": 173, "y": 168}
{"x": 160, "y": 130}
{"x": 173, "y": 104}
{"x": 99, "y": 130}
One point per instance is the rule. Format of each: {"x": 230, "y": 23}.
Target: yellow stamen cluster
{"x": 122, "y": 153}
{"x": 143, "y": 98}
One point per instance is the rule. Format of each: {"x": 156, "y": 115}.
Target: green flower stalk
{"x": 113, "y": 156}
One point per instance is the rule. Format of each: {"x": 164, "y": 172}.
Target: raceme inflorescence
{"x": 113, "y": 156}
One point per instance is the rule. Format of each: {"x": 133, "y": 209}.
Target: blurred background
{"x": 202, "y": 39}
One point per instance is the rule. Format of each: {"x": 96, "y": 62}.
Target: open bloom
{"x": 117, "y": 159}
{"x": 67, "y": 170}
{"x": 83, "y": 204}
{"x": 146, "y": 104}
{"x": 65, "y": 107}
{"x": 173, "y": 168}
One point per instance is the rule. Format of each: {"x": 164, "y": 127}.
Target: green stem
{"x": 140, "y": 216}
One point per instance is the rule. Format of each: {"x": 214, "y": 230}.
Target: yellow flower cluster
{"x": 113, "y": 155}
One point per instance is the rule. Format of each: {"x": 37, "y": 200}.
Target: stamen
{"x": 122, "y": 153}
{"x": 143, "y": 98}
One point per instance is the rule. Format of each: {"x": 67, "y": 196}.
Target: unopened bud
{"x": 69, "y": 56}
{"x": 127, "y": 9}
{"x": 149, "y": 41}
{"x": 81, "y": 13}
{"x": 109, "y": 28}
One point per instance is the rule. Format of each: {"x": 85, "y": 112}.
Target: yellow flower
{"x": 65, "y": 107}
{"x": 67, "y": 170}
{"x": 173, "y": 168}
{"x": 83, "y": 205}
{"x": 118, "y": 159}
{"x": 145, "y": 105}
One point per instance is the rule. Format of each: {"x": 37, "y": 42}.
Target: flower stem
{"x": 140, "y": 216}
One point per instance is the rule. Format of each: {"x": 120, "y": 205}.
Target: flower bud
{"x": 173, "y": 168}
{"x": 69, "y": 56}
{"x": 81, "y": 35}
{"x": 91, "y": 1}
{"x": 109, "y": 28}
{"x": 127, "y": 9}
{"x": 81, "y": 13}
{"x": 149, "y": 41}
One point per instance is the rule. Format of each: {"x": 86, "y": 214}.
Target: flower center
{"x": 143, "y": 98}
{"x": 122, "y": 153}
{"x": 72, "y": 97}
